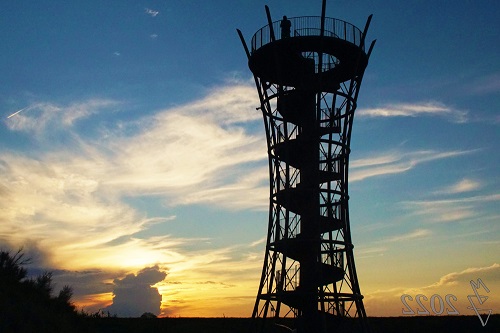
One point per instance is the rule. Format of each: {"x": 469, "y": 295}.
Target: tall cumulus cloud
{"x": 134, "y": 295}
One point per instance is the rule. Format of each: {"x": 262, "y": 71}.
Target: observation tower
{"x": 308, "y": 71}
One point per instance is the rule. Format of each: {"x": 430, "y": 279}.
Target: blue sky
{"x": 137, "y": 150}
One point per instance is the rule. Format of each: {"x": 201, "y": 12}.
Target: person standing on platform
{"x": 285, "y": 27}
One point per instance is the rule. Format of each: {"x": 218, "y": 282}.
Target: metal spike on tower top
{"x": 308, "y": 71}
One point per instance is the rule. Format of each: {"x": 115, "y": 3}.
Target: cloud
{"x": 46, "y": 116}
{"x": 464, "y": 185}
{"x": 486, "y": 85}
{"x": 394, "y": 162}
{"x": 195, "y": 153}
{"x": 415, "y": 234}
{"x": 370, "y": 252}
{"x": 151, "y": 12}
{"x": 415, "y": 110}
{"x": 258, "y": 242}
{"x": 449, "y": 210}
{"x": 134, "y": 294}
{"x": 63, "y": 208}
{"x": 489, "y": 273}
{"x": 235, "y": 196}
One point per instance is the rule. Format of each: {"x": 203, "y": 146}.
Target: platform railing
{"x": 309, "y": 26}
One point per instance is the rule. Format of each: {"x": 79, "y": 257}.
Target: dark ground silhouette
{"x": 441, "y": 324}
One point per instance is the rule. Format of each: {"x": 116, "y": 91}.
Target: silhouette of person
{"x": 285, "y": 27}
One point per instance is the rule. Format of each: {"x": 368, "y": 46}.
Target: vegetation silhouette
{"x": 28, "y": 304}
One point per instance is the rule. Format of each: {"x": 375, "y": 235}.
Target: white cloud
{"x": 489, "y": 273}
{"x": 415, "y": 234}
{"x": 449, "y": 210}
{"x": 464, "y": 185}
{"x": 486, "y": 85}
{"x": 151, "y": 12}
{"x": 195, "y": 153}
{"x": 370, "y": 252}
{"x": 258, "y": 242}
{"x": 415, "y": 110}
{"x": 393, "y": 162}
{"x": 67, "y": 210}
{"x": 46, "y": 116}
{"x": 250, "y": 191}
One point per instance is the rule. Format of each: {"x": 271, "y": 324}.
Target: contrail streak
{"x": 12, "y": 115}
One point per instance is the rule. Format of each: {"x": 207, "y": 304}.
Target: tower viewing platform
{"x": 283, "y": 57}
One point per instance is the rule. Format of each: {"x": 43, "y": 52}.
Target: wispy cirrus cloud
{"x": 370, "y": 252}
{"x": 394, "y": 162}
{"x": 415, "y": 234}
{"x": 61, "y": 207}
{"x": 44, "y": 116}
{"x": 415, "y": 110}
{"x": 449, "y": 210}
{"x": 487, "y": 84}
{"x": 195, "y": 153}
{"x": 464, "y": 185}
{"x": 252, "y": 184}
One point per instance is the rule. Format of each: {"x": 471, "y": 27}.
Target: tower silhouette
{"x": 308, "y": 71}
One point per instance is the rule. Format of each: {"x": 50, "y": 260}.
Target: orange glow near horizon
{"x": 207, "y": 299}
{"x": 200, "y": 295}
{"x": 94, "y": 302}
{"x": 211, "y": 299}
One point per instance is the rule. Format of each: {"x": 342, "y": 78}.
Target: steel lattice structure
{"x": 308, "y": 82}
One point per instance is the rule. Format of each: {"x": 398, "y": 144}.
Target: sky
{"x": 133, "y": 159}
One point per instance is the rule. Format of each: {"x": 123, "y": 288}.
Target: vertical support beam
{"x": 323, "y": 14}
{"x": 270, "y": 22}
{"x": 244, "y": 43}
{"x": 367, "y": 25}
